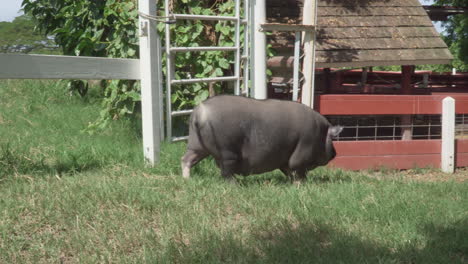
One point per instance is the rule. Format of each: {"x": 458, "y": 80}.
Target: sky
{"x": 11, "y": 9}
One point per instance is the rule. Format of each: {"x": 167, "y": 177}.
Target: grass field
{"x": 72, "y": 197}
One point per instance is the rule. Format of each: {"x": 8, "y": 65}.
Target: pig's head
{"x": 330, "y": 152}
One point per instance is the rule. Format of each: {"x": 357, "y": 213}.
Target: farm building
{"x": 391, "y": 119}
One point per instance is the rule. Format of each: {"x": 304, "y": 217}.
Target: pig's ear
{"x": 334, "y": 131}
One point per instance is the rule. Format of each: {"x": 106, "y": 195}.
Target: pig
{"x": 248, "y": 136}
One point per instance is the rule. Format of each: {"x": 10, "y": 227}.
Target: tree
{"x": 456, "y": 36}
{"x": 110, "y": 29}
{"x": 19, "y": 36}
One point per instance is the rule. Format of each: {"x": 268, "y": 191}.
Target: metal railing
{"x": 238, "y": 59}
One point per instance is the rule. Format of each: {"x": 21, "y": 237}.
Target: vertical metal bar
{"x": 246, "y": 46}
{"x": 160, "y": 87}
{"x": 429, "y": 130}
{"x": 168, "y": 74}
{"x": 357, "y": 129}
{"x": 252, "y": 47}
{"x": 238, "y": 50}
{"x": 297, "y": 54}
{"x": 375, "y": 131}
{"x": 464, "y": 132}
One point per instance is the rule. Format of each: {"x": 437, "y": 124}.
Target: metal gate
{"x": 240, "y": 59}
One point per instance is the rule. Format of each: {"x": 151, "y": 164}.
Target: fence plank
{"x": 19, "y": 66}
{"x": 387, "y": 104}
{"x": 388, "y": 162}
{"x": 359, "y": 155}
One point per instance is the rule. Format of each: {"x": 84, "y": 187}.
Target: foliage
{"x": 109, "y": 28}
{"x": 200, "y": 33}
{"x": 94, "y": 28}
{"x": 456, "y": 36}
{"x": 19, "y": 36}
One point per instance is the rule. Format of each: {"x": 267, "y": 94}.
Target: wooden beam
{"x": 383, "y": 57}
{"x": 373, "y": 63}
{"x": 353, "y": 4}
{"x": 359, "y": 155}
{"x": 337, "y": 104}
{"x": 375, "y": 21}
{"x": 406, "y": 74}
{"x": 20, "y": 66}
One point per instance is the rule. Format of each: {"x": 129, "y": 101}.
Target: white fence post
{"x": 258, "y": 50}
{"x": 448, "y": 135}
{"x": 149, "y": 73}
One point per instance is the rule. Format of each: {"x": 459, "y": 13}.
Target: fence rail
{"x": 20, "y": 66}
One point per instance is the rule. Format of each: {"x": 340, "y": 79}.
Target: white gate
{"x": 239, "y": 59}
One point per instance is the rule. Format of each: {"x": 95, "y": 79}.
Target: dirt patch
{"x": 423, "y": 175}
{"x": 460, "y": 175}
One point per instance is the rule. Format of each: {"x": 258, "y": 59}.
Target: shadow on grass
{"x": 316, "y": 243}
{"x": 208, "y": 168}
{"x": 14, "y": 163}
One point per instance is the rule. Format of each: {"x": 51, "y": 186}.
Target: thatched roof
{"x": 358, "y": 33}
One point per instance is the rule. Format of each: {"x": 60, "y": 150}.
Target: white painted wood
{"x": 448, "y": 135}
{"x": 297, "y": 54}
{"x": 20, "y": 66}
{"x": 259, "y": 50}
{"x": 150, "y": 65}
{"x": 309, "y": 18}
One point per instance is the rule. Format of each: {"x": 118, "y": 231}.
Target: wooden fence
{"x": 399, "y": 154}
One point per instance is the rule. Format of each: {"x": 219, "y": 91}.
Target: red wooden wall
{"x": 398, "y": 154}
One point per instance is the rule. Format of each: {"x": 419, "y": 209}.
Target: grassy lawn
{"x": 72, "y": 197}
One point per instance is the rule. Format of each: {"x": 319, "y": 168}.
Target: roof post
{"x": 258, "y": 50}
{"x": 406, "y": 73}
{"x": 309, "y": 17}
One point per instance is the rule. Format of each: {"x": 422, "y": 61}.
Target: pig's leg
{"x": 190, "y": 159}
{"x": 230, "y": 165}
{"x": 295, "y": 176}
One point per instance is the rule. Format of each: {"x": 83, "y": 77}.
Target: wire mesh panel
{"x": 461, "y": 126}
{"x": 389, "y": 127}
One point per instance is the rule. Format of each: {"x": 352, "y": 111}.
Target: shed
{"x": 362, "y": 33}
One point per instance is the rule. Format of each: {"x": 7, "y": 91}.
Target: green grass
{"x": 71, "y": 197}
